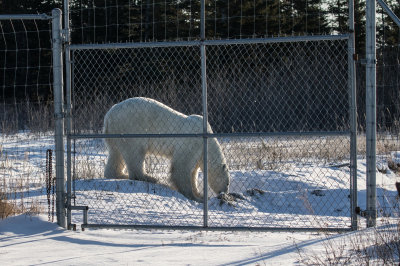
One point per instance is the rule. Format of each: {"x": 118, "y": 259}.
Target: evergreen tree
{"x": 28, "y": 6}
{"x": 388, "y": 31}
{"x": 311, "y": 19}
{"x": 339, "y": 21}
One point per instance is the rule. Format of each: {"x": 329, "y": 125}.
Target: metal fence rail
{"x": 279, "y": 108}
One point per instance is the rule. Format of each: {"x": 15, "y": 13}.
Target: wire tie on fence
{"x": 59, "y": 115}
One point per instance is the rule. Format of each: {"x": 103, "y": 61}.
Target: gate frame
{"x": 202, "y": 43}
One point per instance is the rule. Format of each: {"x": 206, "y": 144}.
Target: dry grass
{"x": 35, "y": 116}
{"x": 22, "y": 174}
{"x": 13, "y": 206}
{"x": 384, "y": 144}
{"x": 10, "y": 208}
{"x": 86, "y": 169}
{"x": 7, "y": 208}
{"x": 280, "y": 153}
{"x": 13, "y": 202}
{"x": 375, "y": 246}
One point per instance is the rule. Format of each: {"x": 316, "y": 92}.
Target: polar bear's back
{"x": 143, "y": 115}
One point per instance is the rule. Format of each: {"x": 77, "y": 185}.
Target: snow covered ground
{"x": 32, "y": 240}
{"x": 26, "y": 240}
{"x": 309, "y": 193}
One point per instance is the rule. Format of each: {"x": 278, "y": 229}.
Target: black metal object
{"x": 50, "y": 184}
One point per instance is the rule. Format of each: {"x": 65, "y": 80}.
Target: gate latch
{"x": 360, "y": 212}
{"x": 85, "y": 210}
{"x": 365, "y": 213}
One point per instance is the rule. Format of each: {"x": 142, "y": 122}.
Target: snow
{"x": 31, "y": 240}
{"x": 309, "y": 193}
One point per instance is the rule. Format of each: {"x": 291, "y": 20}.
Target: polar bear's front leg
{"x": 185, "y": 188}
{"x": 184, "y": 169}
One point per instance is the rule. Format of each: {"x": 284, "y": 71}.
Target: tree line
{"x": 147, "y": 20}
{"x": 103, "y": 21}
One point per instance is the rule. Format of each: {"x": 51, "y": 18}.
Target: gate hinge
{"x": 365, "y": 213}
{"x": 365, "y": 61}
{"x": 65, "y": 200}
{"x": 65, "y": 35}
{"x": 60, "y": 115}
{"x": 360, "y": 212}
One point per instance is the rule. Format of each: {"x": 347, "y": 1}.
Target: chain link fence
{"x": 388, "y": 107}
{"x": 278, "y": 110}
{"x": 26, "y": 116}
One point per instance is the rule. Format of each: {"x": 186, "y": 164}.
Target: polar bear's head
{"x": 218, "y": 172}
{"x": 219, "y": 178}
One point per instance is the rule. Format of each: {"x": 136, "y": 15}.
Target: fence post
{"x": 57, "y": 41}
{"x": 353, "y": 118}
{"x": 371, "y": 111}
{"x": 68, "y": 124}
{"x": 205, "y": 114}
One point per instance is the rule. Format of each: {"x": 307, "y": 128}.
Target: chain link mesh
{"x": 280, "y": 112}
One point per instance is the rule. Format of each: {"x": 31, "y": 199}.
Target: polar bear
{"x": 147, "y": 116}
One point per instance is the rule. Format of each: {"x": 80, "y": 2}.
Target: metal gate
{"x": 280, "y": 109}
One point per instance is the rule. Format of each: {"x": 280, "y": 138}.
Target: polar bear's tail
{"x": 105, "y": 123}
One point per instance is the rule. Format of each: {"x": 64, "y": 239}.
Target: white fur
{"x": 147, "y": 116}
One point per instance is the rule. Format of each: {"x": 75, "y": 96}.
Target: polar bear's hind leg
{"x": 136, "y": 169}
{"x": 115, "y": 164}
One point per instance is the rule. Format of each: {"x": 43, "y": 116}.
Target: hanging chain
{"x": 53, "y": 199}
{"x": 49, "y": 183}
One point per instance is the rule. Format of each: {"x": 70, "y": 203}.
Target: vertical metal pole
{"x": 68, "y": 132}
{"x": 59, "y": 114}
{"x": 205, "y": 113}
{"x": 68, "y": 111}
{"x": 371, "y": 111}
{"x": 66, "y": 19}
{"x": 353, "y": 118}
